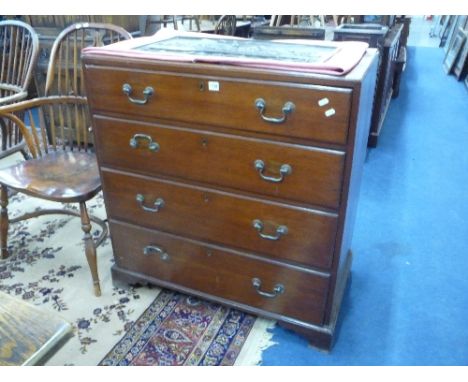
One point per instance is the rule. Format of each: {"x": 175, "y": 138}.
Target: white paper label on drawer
{"x": 330, "y": 112}
{"x": 213, "y": 86}
{"x": 323, "y": 102}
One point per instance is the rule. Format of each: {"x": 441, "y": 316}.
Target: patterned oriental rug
{"x": 182, "y": 330}
{"x": 127, "y": 325}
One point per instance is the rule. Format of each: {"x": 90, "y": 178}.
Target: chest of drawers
{"x": 236, "y": 184}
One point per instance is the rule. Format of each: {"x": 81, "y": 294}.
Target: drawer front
{"x": 223, "y": 273}
{"x": 299, "y": 173}
{"x": 281, "y": 231}
{"x": 318, "y": 113}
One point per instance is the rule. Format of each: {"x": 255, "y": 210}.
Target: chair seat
{"x": 61, "y": 176}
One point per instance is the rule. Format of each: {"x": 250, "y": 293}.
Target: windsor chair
{"x": 226, "y": 25}
{"x": 57, "y": 132}
{"x": 19, "y": 49}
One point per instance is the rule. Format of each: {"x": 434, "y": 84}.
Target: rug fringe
{"x": 258, "y": 340}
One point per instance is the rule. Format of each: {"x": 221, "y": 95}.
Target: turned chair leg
{"x": 4, "y": 222}
{"x": 90, "y": 248}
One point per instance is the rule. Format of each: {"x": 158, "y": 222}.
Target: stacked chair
{"x": 19, "y": 49}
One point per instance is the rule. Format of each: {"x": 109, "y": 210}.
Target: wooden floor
{"x": 27, "y": 333}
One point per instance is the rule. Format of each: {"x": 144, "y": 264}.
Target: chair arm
{"x": 13, "y": 98}
{"x": 15, "y": 114}
{"x": 40, "y": 101}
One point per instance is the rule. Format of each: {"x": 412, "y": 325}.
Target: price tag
{"x": 213, "y": 86}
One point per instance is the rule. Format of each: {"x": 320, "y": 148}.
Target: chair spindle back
{"x": 19, "y": 48}
{"x": 68, "y": 129}
{"x": 65, "y": 73}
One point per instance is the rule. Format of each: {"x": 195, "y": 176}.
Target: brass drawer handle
{"x": 285, "y": 169}
{"x": 288, "y": 108}
{"x": 147, "y": 93}
{"x": 154, "y": 249}
{"x": 152, "y": 146}
{"x": 257, "y": 284}
{"x": 281, "y": 230}
{"x": 158, "y": 204}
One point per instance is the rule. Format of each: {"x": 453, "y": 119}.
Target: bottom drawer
{"x": 285, "y": 290}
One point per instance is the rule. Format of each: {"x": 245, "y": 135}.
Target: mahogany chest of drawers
{"x": 235, "y": 184}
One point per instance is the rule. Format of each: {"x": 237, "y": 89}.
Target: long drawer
{"x": 220, "y": 272}
{"x": 299, "y": 173}
{"x": 286, "y": 109}
{"x": 279, "y": 230}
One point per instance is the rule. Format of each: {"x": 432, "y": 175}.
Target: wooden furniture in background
{"x": 156, "y": 22}
{"x": 402, "y": 57}
{"x": 27, "y": 333}
{"x": 177, "y": 22}
{"x": 373, "y": 34}
{"x": 236, "y": 184}
{"x": 406, "y": 21}
{"x": 64, "y": 70}
{"x": 399, "y": 68}
{"x": 226, "y": 25}
{"x": 387, "y": 20}
{"x": 48, "y": 27}
{"x": 348, "y": 19}
{"x": 19, "y": 49}
{"x": 193, "y": 22}
{"x": 270, "y": 33}
{"x": 385, "y": 80}
{"x": 318, "y": 21}
{"x": 388, "y": 42}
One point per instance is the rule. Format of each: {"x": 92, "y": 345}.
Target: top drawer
{"x": 285, "y": 109}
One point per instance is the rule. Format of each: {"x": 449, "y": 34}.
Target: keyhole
{"x": 204, "y": 142}
{"x": 201, "y": 86}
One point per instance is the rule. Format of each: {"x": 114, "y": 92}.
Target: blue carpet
{"x": 407, "y": 303}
